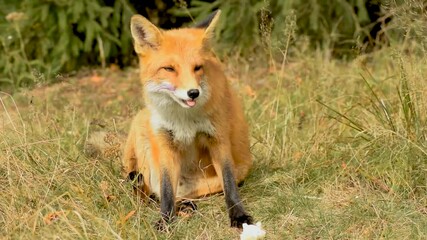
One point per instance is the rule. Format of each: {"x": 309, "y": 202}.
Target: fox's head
{"x": 172, "y": 62}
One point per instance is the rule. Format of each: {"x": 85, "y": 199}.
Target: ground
{"x": 339, "y": 147}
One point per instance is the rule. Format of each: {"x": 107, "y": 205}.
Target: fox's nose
{"x": 193, "y": 93}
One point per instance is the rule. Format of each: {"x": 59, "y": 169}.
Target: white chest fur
{"x": 184, "y": 123}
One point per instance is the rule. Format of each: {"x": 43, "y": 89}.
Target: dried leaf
{"x": 53, "y": 217}
{"x": 125, "y": 218}
{"x": 297, "y": 155}
{"x": 96, "y": 79}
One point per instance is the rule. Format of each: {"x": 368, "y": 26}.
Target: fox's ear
{"x": 209, "y": 24}
{"x": 144, "y": 33}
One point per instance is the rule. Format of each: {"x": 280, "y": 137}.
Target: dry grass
{"x": 314, "y": 177}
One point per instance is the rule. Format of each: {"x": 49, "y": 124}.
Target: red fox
{"x": 191, "y": 139}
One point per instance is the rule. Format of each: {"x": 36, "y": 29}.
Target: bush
{"x": 46, "y": 38}
{"x": 41, "y": 39}
{"x": 343, "y": 27}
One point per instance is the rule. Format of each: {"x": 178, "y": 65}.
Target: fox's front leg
{"x": 129, "y": 161}
{"x": 223, "y": 164}
{"x": 167, "y": 156}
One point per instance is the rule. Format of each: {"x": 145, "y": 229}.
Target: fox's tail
{"x": 106, "y": 145}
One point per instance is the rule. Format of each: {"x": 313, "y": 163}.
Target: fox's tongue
{"x": 190, "y": 103}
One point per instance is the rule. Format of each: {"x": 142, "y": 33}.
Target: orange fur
{"x": 190, "y": 143}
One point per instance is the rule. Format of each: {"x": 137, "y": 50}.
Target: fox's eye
{"x": 198, "y": 68}
{"x": 169, "y": 69}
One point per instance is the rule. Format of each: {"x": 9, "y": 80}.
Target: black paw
{"x": 187, "y": 206}
{"x": 238, "y": 219}
{"x": 136, "y": 179}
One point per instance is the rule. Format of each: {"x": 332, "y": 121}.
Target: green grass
{"x": 340, "y": 152}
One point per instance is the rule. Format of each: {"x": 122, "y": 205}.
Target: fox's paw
{"x": 186, "y": 208}
{"x": 162, "y": 225}
{"x": 132, "y": 176}
{"x": 238, "y": 218}
{"x": 136, "y": 178}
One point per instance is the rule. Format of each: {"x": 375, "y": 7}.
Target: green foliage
{"x": 246, "y": 24}
{"x": 55, "y": 36}
{"x": 47, "y": 38}
{"x": 394, "y": 132}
